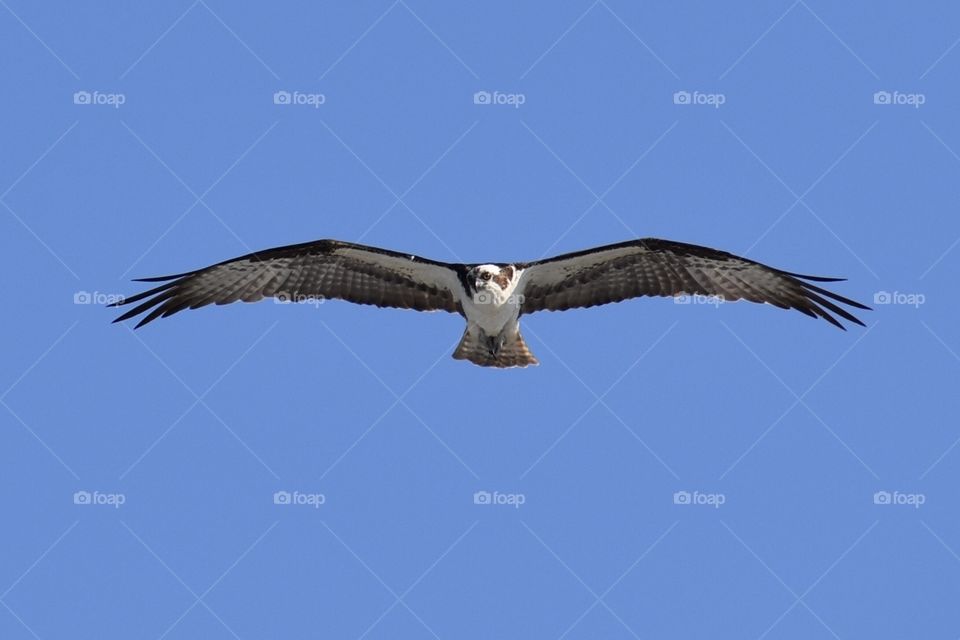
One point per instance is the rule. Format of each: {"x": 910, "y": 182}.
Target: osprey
{"x": 491, "y": 297}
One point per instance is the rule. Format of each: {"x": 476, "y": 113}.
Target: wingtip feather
{"x": 803, "y": 276}
{"x": 159, "y": 278}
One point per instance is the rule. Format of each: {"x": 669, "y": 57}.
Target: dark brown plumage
{"x": 312, "y": 270}
{"x": 652, "y": 267}
{"x": 491, "y": 297}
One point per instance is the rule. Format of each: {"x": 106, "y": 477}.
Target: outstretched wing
{"x": 313, "y": 270}
{"x": 651, "y": 267}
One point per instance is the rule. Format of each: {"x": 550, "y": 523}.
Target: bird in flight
{"x": 491, "y": 297}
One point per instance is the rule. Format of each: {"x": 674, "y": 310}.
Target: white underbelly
{"x": 492, "y": 318}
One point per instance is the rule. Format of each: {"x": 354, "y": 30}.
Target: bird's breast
{"x": 491, "y": 312}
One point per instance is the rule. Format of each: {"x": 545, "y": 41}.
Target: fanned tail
{"x": 477, "y": 347}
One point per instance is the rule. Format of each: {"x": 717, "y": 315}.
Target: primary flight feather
{"x": 491, "y": 297}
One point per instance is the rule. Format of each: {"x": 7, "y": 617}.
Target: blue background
{"x": 196, "y": 421}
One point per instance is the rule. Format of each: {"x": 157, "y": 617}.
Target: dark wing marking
{"x": 320, "y": 269}
{"x": 651, "y": 267}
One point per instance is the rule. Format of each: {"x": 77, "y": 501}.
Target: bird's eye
{"x": 485, "y": 275}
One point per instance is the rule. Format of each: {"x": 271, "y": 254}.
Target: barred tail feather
{"x": 475, "y": 347}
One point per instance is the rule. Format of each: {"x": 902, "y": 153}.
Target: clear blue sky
{"x": 668, "y": 471}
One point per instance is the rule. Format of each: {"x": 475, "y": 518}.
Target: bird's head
{"x": 491, "y": 282}
{"x": 491, "y": 277}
